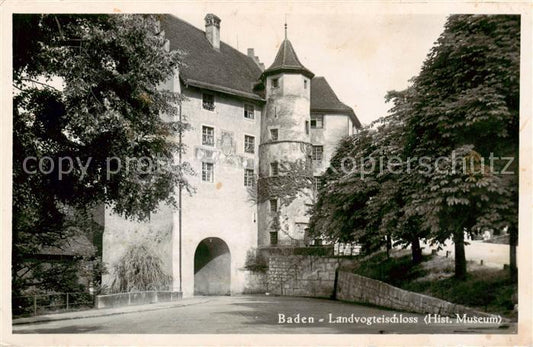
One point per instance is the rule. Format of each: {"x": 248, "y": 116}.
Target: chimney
{"x": 255, "y": 58}
{"x": 212, "y": 30}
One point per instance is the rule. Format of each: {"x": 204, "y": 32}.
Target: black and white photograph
{"x": 266, "y": 173}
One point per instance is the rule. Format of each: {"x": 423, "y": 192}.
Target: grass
{"x": 486, "y": 289}
{"x": 397, "y": 271}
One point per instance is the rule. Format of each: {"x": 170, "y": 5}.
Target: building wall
{"x": 121, "y": 233}
{"x": 224, "y": 208}
{"x": 288, "y": 110}
{"x": 335, "y": 128}
{"x": 221, "y": 208}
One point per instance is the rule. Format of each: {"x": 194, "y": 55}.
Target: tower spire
{"x": 285, "y": 26}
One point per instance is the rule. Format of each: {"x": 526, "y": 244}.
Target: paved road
{"x": 493, "y": 254}
{"x": 251, "y": 315}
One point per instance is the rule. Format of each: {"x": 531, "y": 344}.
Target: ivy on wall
{"x": 294, "y": 180}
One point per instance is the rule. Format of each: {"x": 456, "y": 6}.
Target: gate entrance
{"x": 212, "y": 267}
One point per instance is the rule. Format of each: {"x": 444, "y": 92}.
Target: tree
{"x": 465, "y": 102}
{"x": 339, "y": 214}
{"x": 91, "y": 123}
{"x": 460, "y": 113}
{"x": 365, "y": 203}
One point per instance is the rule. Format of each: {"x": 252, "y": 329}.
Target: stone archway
{"x": 212, "y": 267}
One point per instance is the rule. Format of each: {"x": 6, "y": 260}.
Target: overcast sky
{"x": 361, "y": 55}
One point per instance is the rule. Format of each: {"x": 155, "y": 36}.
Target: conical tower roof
{"x": 287, "y": 61}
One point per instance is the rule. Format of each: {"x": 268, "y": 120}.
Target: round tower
{"x": 285, "y": 182}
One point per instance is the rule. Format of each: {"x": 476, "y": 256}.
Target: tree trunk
{"x": 416, "y": 251}
{"x": 460, "y": 257}
{"x": 513, "y": 242}
{"x": 389, "y": 246}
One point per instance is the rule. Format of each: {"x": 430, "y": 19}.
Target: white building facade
{"x": 244, "y": 121}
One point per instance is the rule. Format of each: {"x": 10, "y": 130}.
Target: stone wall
{"x": 136, "y": 298}
{"x": 255, "y": 282}
{"x": 299, "y": 275}
{"x": 356, "y": 288}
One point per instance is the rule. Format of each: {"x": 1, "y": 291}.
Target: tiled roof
{"x": 229, "y": 71}
{"x": 324, "y": 99}
{"x": 287, "y": 61}
{"x": 226, "y": 69}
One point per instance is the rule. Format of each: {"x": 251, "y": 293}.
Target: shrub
{"x": 139, "y": 270}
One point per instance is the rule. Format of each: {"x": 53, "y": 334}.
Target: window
{"x": 275, "y": 82}
{"x": 273, "y": 205}
{"x": 274, "y": 169}
{"x": 307, "y": 127}
{"x": 249, "y": 111}
{"x": 273, "y": 237}
{"x": 208, "y": 136}
{"x": 318, "y": 152}
{"x": 317, "y": 121}
{"x": 207, "y": 172}
{"x": 274, "y": 134}
{"x": 317, "y": 183}
{"x": 249, "y": 144}
{"x": 248, "y": 177}
{"x": 208, "y": 102}
{"x": 305, "y": 84}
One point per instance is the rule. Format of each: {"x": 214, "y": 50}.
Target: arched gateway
{"x": 212, "y": 267}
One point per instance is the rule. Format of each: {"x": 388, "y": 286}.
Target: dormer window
{"x": 275, "y": 83}
{"x": 208, "y": 102}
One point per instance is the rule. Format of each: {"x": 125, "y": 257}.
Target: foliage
{"x": 396, "y": 271}
{"x": 462, "y": 107}
{"x": 465, "y": 100}
{"x": 339, "y": 213}
{"x": 87, "y": 87}
{"x": 486, "y": 289}
{"x": 489, "y": 290}
{"x": 256, "y": 261}
{"x": 294, "y": 179}
{"x": 139, "y": 269}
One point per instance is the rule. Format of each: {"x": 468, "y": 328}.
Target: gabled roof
{"x": 229, "y": 71}
{"x": 226, "y": 70}
{"x": 287, "y": 61}
{"x": 324, "y": 99}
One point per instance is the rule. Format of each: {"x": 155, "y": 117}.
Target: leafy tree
{"x": 87, "y": 94}
{"x": 465, "y": 101}
{"x": 366, "y": 203}
{"x": 461, "y": 111}
{"x": 339, "y": 214}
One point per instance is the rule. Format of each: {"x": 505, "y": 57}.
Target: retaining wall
{"x": 302, "y": 276}
{"x": 136, "y": 298}
{"x": 356, "y": 288}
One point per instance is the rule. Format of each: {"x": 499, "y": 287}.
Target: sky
{"x": 363, "y": 55}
